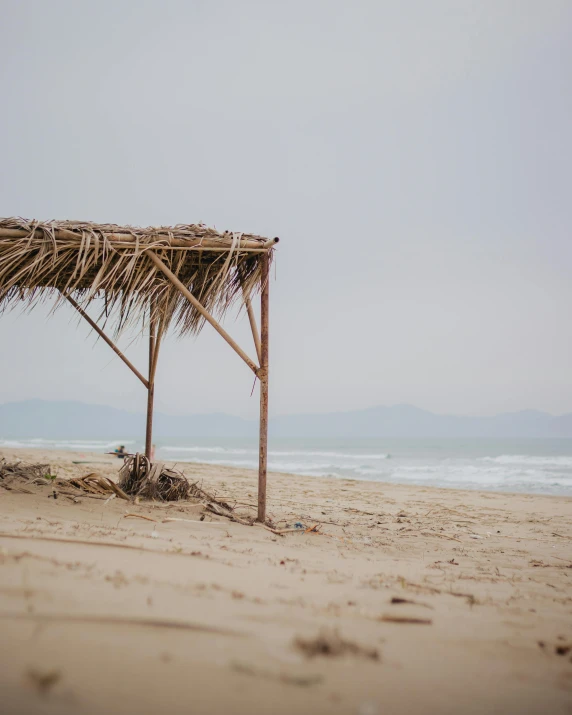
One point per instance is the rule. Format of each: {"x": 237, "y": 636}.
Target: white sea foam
{"x": 72, "y": 445}
{"x": 528, "y": 459}
{"x": 273, "y": 453}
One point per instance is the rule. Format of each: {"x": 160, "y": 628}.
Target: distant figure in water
{"x": 120, "y": 452}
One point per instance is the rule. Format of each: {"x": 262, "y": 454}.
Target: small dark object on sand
{"x": 329, "y": 644}
{"x": 44, "y": 681}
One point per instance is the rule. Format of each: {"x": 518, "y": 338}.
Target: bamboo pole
{"x": 263, "y": 375}
{"x": 100, "y": 332}
{"x": 151, "y": 386}
{"x": 158, "y": 335}
{"x": 251, "y": 319}
{"x": 254, "y": 328}
{"x": 208, "y": 317}
{"x": 130, "y": 239}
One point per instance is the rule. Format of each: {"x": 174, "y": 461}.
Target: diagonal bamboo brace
{"x": 206, "y": 315}
{"x": 111, "y": 344}
{"x": 252, "y": 321}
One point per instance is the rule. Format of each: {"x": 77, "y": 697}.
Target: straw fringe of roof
{"x": 91, "y": 261}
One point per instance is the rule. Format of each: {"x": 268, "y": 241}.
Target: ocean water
{"x": 542, "y": 466}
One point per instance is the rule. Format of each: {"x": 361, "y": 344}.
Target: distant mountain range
{"x": 76, "y": 420}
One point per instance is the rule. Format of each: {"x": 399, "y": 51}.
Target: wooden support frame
{"x": 262, "y": 348}
{"x": 261, "y": 342}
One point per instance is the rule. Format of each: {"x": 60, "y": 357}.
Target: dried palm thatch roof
{"x": 86, "y": 261}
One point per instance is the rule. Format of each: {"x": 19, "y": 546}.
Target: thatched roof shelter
{"x": 158, "y": 278}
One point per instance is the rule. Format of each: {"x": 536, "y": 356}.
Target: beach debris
{"x": 299, "y": 525}
{"x": 406, "y": 619}
{"x": 314, "y": 529}
{"x": 287, "y": 678}
{"x": 139, "y": 516}
{"x": 224, "y": 510}
{"x": 561, "y": 649}
{"x": 45, "y": 680}
{"x": 281, "y": 532}
{"x": 189, "y": 521}
{"x": 442, "y": 536}
{"x": 96, "y": 484}
{"x": 139, "y": 477}
{"x": 13, "y": 472}
{"x": 328, "y": 643}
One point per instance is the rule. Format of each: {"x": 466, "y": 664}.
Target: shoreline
{"x": 464, "y": 597}
{"x": 61, "y": 455}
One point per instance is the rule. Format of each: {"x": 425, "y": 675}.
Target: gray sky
{"x": 415, "y": 158}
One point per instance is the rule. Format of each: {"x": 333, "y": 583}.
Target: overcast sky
{"x": 414, "y": 156}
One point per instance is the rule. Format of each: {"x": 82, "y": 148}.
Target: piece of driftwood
{"x": 220, "y": 511}
{"x": 79, "y": 494}
{"x": 396, "y": 600}
{"x": 86, "y": 542}
{"x": 406, "y": 619}
{"x": 96, "y": 484}
{"x": 140, "y": 516}
{"x": 119, "y": 621}
{"x": 442, "y": 536}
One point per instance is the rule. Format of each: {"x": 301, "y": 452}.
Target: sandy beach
{"x": 405, "y": 599}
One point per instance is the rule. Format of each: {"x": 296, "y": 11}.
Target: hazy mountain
{"x": 75, "y": 420}
{"x": 409, "y": 421}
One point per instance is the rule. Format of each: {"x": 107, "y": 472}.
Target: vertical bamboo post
{"x": 263, "y": 374}
{"x": 151, "y": 387}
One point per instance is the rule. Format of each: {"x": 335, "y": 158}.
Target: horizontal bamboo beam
{"x": 111, "y": 344}
{"x": 129, "y": 239}
{"x": 206, "y": 315}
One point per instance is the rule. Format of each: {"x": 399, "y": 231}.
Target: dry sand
{"x": 100, "y": 613}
